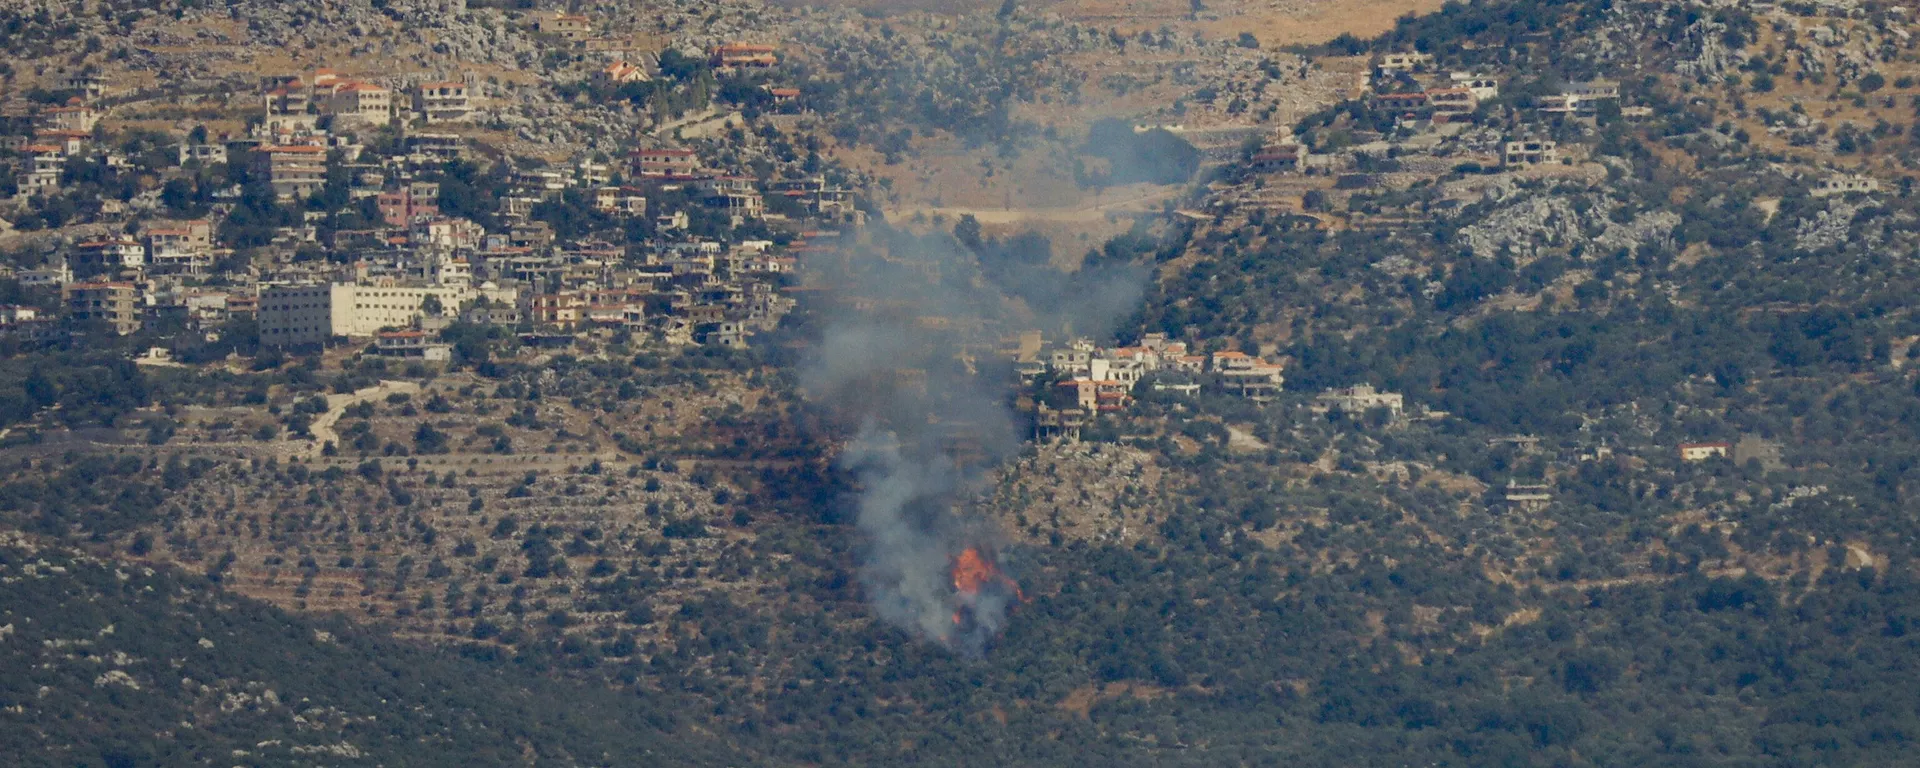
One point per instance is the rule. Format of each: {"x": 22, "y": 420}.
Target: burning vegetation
{"x": 975, "y": 573}
{"x": 895, "y": 364}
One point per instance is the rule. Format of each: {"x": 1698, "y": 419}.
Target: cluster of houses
{"x": 1402, "y": 86}
{"x": 309, "y": 120}
{"x": 1102, "y": 380}
{"x": 726, "y": 59}
{"x": 1536, "y": 494}
{"x": 38, "y": 162}
{"x": 295, "y": 103}
{"x": 414, "y": 268}
{"x": 132, "y": 278}
{"x": 122, "y": 306}
{"x": 1396, "y": 85}
{"x": 680, "y": 169}
{"x": 1094, "y": 381}
{"x": 1405, "y": 82}
{"x": 692, "y": 292}
{"x": 685, "y": 293}
{"x": 304, "y": 121}
{"x": 1416, "y": 120}
{"x": 1420, "y": 100}
{"x": 628, "y": 66}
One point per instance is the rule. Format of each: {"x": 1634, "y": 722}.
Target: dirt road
{"x": 337, "y": 405}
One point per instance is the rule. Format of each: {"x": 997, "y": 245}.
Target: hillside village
{"x": 1201, "y": 383}
{"x": 365, "y": 211}
{"x": 705, "y": 268}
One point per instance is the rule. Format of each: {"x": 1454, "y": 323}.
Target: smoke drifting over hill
{"x": 905, "y": 358}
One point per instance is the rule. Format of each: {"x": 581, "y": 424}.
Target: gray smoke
{"x": 905, "y": 362}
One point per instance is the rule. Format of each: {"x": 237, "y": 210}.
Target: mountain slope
{"x": 123, "y": 665}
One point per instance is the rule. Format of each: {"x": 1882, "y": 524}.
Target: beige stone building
{"x": 116, "y": 304}
{"x": 358, "y": 102}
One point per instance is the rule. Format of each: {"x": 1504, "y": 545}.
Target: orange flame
{"x": 971, "y": 572}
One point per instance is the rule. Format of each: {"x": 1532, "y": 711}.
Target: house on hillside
{"x": 72, "y": 117}
{"x": 358, "y": 102}
{"x": 664, "y": 163}
{"x": 112, "y": 254}
{"x": 1359, "y": 399}
{"x": 1248, "y": 375}
{"x": 441, "y": 102}
{"x": 1403, "y": 62}
{"x": 1483, "y": 87}
{"x": 411, "y": 344}
{"x": 1704, "y": 451}
{"x": 1452, "y": 101}
{"x": 1526, "y": 497}
{"x": 568, "y": 26}
{"x": 1841, "y": 184}
{"x": 1529, "y": 152}
{"x": 1279, "y": 157}
{"x": 295, "y": 171}
{"x": 622, "y": 72}
{"x": 116, "y": 304}
{"x": 736, "y": 56}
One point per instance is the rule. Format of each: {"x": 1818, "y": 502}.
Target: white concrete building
{"x": 1529, "y": 152}
{"x": 1360, "y": 399}
{"x": 116, "y": 253}
{"x": 1484, "y": 87}
{"x": 1704, "y": 451}
{"x": 311, "y": 314}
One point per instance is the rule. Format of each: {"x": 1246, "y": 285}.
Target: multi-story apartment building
{"x": 115, "y": 253}
{"x": 116, "y": 304}
{"x": 665, "y": 162}
{"x": 295, "y": 171}
{"x": 311, "y": 314}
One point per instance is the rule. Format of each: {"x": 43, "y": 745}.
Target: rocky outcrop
{"x": 1535, "y": 225}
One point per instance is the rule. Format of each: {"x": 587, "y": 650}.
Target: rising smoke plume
{"x": 905, "y": 360}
